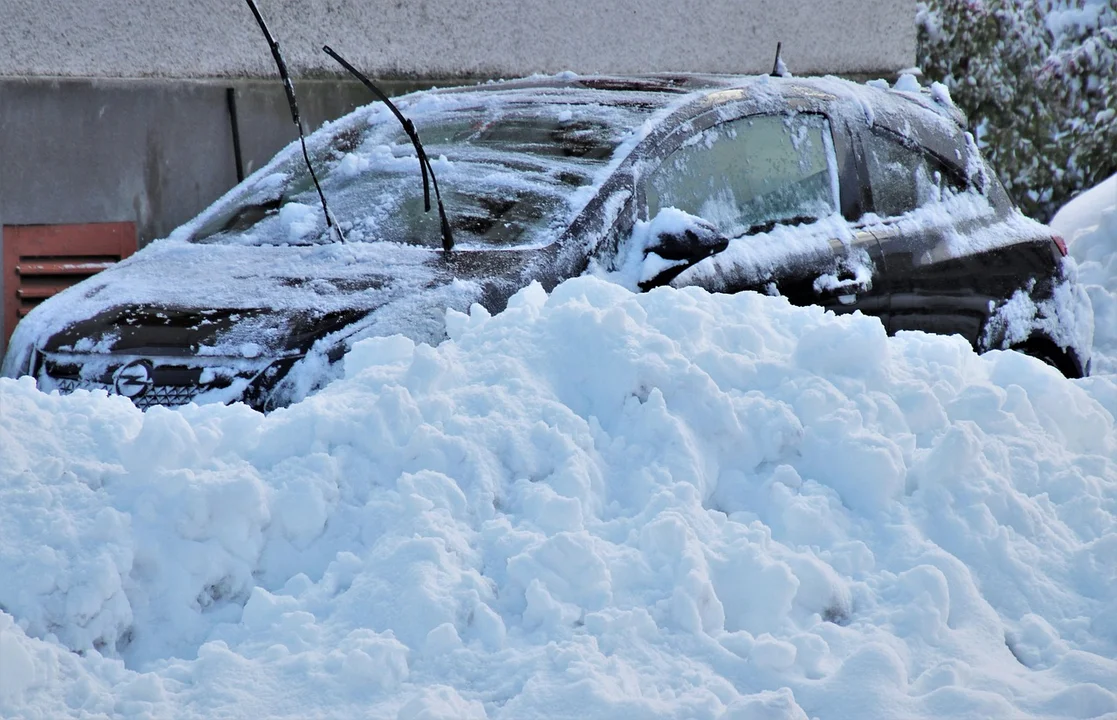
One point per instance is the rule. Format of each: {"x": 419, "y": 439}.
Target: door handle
{"x": 844, "y": 284}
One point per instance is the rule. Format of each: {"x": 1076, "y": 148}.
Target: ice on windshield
{"x": 507, "y": 172}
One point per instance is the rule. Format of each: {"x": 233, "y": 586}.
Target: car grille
{"x": 169, "y": 395}
{"x": 168, "y": 383}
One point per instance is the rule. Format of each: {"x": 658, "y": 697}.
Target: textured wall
{"x": 453, "y": 38}
{"x": 151, "y": 151}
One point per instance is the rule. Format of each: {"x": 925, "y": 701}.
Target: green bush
{"x": 1038, "y": 82}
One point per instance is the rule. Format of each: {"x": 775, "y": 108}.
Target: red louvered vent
{"x": 42, "y": 260}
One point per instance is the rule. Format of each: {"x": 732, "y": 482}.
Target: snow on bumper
{"x": 1066, "y": 317}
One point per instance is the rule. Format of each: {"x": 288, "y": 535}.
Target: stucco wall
{"x": 149, "y": 151}
{"x": 152, "y": 152}
{"x": 453, "y": 38}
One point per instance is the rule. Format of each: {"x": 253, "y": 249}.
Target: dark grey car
{"x": 852, "y": 197}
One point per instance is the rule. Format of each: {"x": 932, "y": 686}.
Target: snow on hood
{"x": 595, "y": 504}
{"x": 1089, "y": 225}
{"x": 278, "y": 284}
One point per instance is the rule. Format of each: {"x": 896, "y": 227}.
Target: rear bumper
{"x": 1062, "y": 316}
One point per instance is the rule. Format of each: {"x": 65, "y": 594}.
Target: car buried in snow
{"x": 854, "y": 197}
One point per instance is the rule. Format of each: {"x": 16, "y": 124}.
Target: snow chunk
{"x": 907, "y": 83}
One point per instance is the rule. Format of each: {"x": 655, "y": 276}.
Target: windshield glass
{"x": 508, "y": 171}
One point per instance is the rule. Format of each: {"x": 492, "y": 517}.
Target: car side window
{"x": 903, "y": 177}
{"x": 749, "y": 174}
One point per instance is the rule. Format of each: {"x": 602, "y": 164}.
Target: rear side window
{"x": 903, "y": 177}
{"x": 749, "y": 174}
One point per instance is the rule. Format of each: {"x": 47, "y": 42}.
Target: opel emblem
{"x": 133, "y": 380}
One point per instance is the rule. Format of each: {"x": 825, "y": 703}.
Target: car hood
{"x": 178, "y": 298}
{"x": 172, "y": 331}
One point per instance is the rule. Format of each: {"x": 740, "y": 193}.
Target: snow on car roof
{"x": 635, "y": 104}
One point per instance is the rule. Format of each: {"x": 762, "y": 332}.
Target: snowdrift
{"x": 1089, "y": 224}
{"x": 596, "y": 504}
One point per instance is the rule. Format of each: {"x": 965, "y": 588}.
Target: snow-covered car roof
{"x": 583, "y": 127}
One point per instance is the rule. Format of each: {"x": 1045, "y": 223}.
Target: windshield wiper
{"x": 289, "y": 87}
{"x": 409, "y": 128}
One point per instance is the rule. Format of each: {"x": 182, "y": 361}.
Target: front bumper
{"x": 151, "y": 381}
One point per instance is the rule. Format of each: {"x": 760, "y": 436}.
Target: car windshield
{"x": 508, "y": 171}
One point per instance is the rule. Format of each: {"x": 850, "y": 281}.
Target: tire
{"x": 1044, "y": 349}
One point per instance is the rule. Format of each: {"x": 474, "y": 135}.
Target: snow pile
{"x": 596, "y": 504}
{"x": 1089, "y": 225}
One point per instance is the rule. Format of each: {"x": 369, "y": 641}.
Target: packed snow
{"x": 596, "y": 504}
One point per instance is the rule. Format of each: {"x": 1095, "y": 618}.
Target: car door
{"x": 907, "y": 184}
{"x": 773, "y": 184}
{"x": 941, "y": 277}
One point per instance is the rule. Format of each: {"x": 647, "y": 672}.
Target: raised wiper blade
{"x": 289, "y": 87}
{"x": 409, "y": 128}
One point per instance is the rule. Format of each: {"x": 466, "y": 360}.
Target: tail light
{"x": 1060, "y": 243}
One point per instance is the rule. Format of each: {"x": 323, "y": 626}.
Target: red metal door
{"x": 42, "y": 260}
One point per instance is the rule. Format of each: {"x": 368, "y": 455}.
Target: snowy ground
{"x": 594, "y": 505}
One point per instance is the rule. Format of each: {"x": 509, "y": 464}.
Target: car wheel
{"x": 1042, "y": 348}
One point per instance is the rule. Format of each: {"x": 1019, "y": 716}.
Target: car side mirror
{"x": 693, "y": 239}
{"x": 675, "y": 241}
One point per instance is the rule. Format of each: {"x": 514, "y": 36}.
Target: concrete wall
{"x": 149, "y": 151}
{"x": 453, "y": 38}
